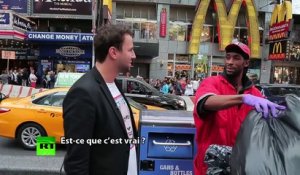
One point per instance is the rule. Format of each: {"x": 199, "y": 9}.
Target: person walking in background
{"x": 222, "y": 102}
{"x": 165, "y": 88}
{"x": 32, "y": 79}
{"x": 96, "y": 108}
{"x": 189, "y": 91}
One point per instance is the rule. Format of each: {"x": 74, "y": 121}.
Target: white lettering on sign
{"x": 181, "y": 172}
{"x": 70, "y": 51}
{"x": 87, "y": 38}
{"x": 63, "y": 1}
{"x": 66, "y": 37}
{"x": 41, "y": 36}
{"x": 166, "y": 167}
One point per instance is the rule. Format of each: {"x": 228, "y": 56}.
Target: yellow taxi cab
{"x": 40, "y": 115}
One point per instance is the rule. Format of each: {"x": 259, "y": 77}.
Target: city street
{"x": 17, "y": 161}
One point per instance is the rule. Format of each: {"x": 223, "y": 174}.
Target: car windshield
{"x": 281, "y": 91}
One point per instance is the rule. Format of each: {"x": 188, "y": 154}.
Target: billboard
{"x": 64, "y": 7}
{"x": 19, "y": 6}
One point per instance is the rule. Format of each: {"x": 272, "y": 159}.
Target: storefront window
{"x": 206, "y": 34}
{"x": 241, "y": 34}
{"x": 180, "y": 24}
{"x": 141, "y": 19}
{"x": 285, "y": 75}
{"x": 179, "y": 31}
{"x": 148, "y": 30}
{"x": 182, "y": 65}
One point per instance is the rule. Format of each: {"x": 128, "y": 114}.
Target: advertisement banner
{"x": 82, "y": 7}
{"x": 19, "y": 6}
{"x": 69, "y": 51}
{"x": 4, "y": 18}
{"x": 279, "y": 50}
{"x": 163, "y": 23}
{"x": 56, "y": 37}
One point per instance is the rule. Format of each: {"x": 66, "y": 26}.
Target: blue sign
{"x": 19, "y": 6}
{"x": 57, "y": 37}
{"x": 4, "y": 18}
{"x": 66, "y": 51}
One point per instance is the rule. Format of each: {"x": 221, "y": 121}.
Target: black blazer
{"x": 90, "y": 112}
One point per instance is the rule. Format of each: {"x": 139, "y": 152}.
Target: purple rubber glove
{"x": 262, "y": 105}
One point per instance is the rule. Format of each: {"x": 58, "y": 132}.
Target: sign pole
{"x": 94, "y": 17}
{"x": 7, "y": 68}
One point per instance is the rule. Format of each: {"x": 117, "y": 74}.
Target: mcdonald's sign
{"x": 226, "y": 24}
{"x": 281, "y": 21}
{"x": 279, "y": 50}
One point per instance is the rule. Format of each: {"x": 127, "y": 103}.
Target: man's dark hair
{"x": 109, "y": 36}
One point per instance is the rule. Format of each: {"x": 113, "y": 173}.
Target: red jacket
{"x": 218, "y": 127}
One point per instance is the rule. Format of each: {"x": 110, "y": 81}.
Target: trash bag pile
{"x": 217, "y": 159}
{"x": 269, "y": 146}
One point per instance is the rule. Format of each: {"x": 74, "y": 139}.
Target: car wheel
{"x": 28, "y": 133}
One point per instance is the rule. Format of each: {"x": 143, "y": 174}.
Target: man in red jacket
{"x": 222, "y": 103}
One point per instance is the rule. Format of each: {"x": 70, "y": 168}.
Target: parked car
{"x": 137, "y": 89}
{"x": 276, "y": 92}
{"x": 142, "y": 92}
{"x": 26, "y": 118}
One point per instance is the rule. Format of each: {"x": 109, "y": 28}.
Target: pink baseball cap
{"x": 240, "y": 48}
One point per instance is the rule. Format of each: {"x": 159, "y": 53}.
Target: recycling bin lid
{"x": 167, "y": 118}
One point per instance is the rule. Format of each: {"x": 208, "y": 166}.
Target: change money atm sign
{"x": 280, "y": 27}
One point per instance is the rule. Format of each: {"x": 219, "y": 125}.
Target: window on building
{"x": 141, "y": 19}
{"x": 180, "y": 23}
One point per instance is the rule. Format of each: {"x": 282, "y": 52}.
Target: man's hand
{"x": 262, "y": 105}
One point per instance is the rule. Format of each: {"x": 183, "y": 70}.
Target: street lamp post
{"x": 211, "y": 43}
{"x": 97, "y": 21}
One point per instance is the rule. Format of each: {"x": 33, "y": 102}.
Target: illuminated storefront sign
{"x": 55, "y": 37}
{"x": 280, "y": 23}
{"x": 226, "y": 24}
{"x": 279, "y": 50}
{"x": 280, "y": 26}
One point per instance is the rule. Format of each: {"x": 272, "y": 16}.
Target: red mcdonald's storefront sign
{"x": 163, "y": 23}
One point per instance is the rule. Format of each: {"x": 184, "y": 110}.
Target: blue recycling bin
{"x": 169, "y": 145}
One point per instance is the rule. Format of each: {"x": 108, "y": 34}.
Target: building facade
{"x": 168, "y": 25}
{"x": 163, "y": 30}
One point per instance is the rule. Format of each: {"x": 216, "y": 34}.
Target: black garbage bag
{"x": 269, "y": 146}
{"x": 217, "y": 160}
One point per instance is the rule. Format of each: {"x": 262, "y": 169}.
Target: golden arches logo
{"x": 281, "y": 12}
{"x": 277, "y": 48}
{"x": 226, "y": 24}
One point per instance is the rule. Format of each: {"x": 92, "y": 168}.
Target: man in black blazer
{"x": 95, "y": 108}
